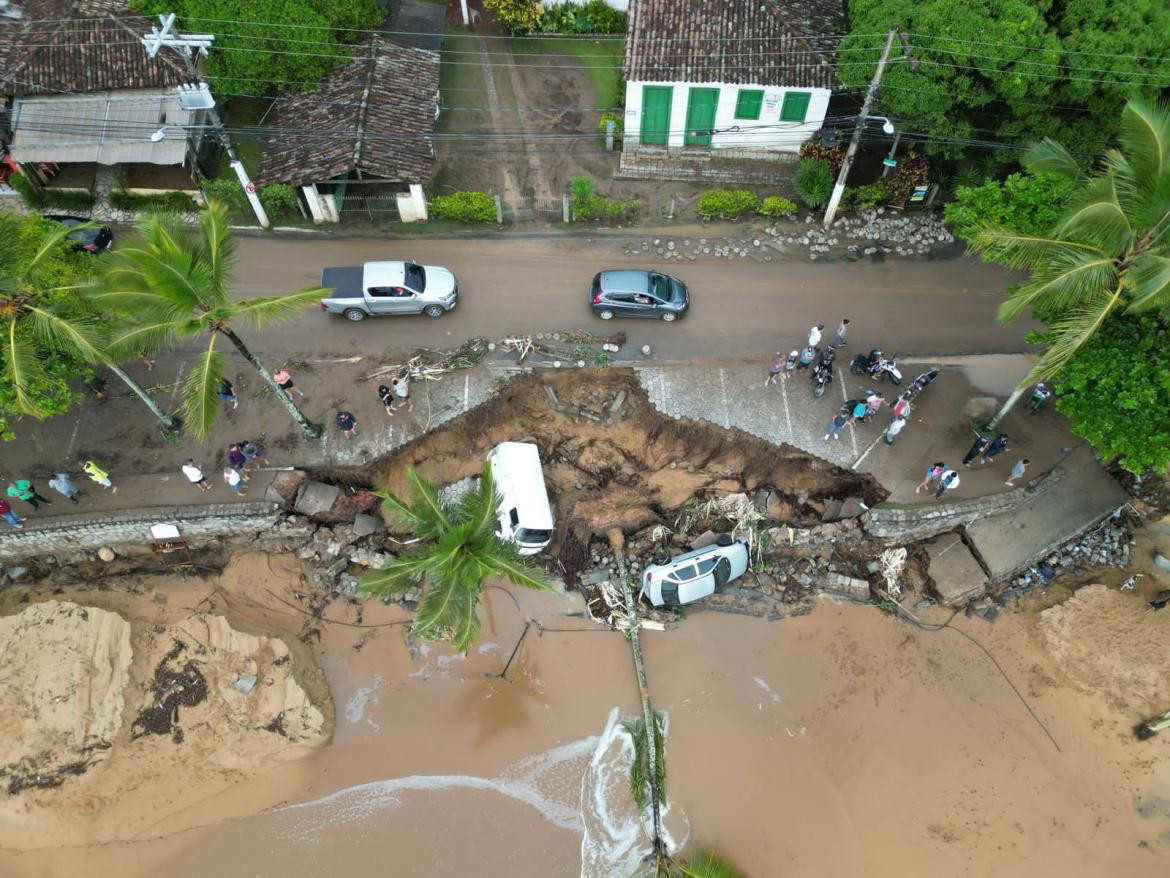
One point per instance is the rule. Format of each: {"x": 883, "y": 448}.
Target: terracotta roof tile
{"x": 375, "y": 114}
{"x": 764, "y": 42}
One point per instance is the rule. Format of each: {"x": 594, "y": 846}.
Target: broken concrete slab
{"x": 706, "y": 538}
{"x": 284, "y": 486}
{"x": 957, "y": 575}
{"x": 314, "y": 498}
{"x": 836, "y": 583}
{"x": 364, "y": 525}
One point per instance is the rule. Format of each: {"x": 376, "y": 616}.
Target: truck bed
{"x": 345, "y": 281}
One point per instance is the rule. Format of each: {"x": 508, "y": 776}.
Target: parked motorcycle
{"x": 1040, "y": 395}
{"x": 888, "y": 369}
{"x": 822, "y": 377}
{"x": 919, "y": 384}
{"x": 866, "y": 364}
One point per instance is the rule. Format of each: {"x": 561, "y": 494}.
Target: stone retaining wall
{"x": 131, "y": 528}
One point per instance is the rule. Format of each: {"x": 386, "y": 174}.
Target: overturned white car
{"x": 694, "y": 575}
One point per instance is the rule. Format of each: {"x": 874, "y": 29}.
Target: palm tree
{"x": 460, "y": 551}
{"x": 41, "y": 324}
{"x": 1110, "y": 251}
{"x": 173, "y": 284}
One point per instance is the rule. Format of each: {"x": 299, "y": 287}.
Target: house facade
{"x": 728, "y": 74}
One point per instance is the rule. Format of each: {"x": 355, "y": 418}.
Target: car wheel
{"x": 433, "y": 310}
{"x": 724, "y": 540}
{"x": 355, "y": 314}
{"x": 669, "y": 317}
{"x": 605, "y": 315}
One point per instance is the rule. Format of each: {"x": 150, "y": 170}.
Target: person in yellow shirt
{"x": 98, "y": 474}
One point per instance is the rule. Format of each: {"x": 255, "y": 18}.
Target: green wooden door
{"x": 656, "y": 113}
{"x": 701, "y": 115}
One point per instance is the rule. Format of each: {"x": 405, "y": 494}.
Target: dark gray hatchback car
{"x": 635, "y": 292}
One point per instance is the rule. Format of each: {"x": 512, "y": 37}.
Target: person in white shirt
{"x": 893, "y": 430}
{"x": 234, "y": 480}
{"x": 195, "y": 475}
{"x": 814, "y": 335}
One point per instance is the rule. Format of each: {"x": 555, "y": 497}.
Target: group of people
{"x": 241, "y": 456}
{"x": 395, "y": 398}
{"x": 986, "y": 449}
{"x": 25, "y": 491}
{"x": 805, "y": 358}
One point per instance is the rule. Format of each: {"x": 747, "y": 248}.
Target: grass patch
{"x": 461, "y": 84}
{"x": 603, "y": 57}
{"x": 245, "y": 111}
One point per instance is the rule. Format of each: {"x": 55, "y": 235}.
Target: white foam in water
{"x": 582, "y": 786}
{"x": 355, "y": 708}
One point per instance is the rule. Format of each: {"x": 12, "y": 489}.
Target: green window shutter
{"x": 747, "y": 105}
{"x": 795, "y": 106}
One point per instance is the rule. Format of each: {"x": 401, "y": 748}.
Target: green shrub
{"x": 835, "y": 156}
{"x": 31, "y": 196}
{"x": 594, "y": 17}
{"x": 58, "y": 198}
{"x": 515, "y": 16}
{"x": 725, "y": 203}
{"x": 774, "y": 205}
{"x": 586, "y": 204}
{"x": 229, "y": 191}
{"x": 864, "y": 197}
{"x": 913, "y": 169}
{"x": 618, "y": 124}
{"x": 179, "y": 202}
{"x": 813, "y": 182}
{"x": 279, "y": 200}
{"x": 467, "y": 207}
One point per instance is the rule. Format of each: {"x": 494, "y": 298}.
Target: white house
{"x": 729, "y": 74}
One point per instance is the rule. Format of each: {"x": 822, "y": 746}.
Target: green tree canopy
{"x": 49, "y": 334}
{"x": 272, "y": 46}
{"x": 1026, "y": 203}
{"x": 1116, "y": 392}
{"x": 460, "y": 550}
{"x": 1011, "y": 70}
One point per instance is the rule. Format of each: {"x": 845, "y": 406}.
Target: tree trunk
{"x": 313, "y": 431}
{"x": 616, "y": 542}
{"x": 168, "y": 421}
{"x": 1016, "y": 393}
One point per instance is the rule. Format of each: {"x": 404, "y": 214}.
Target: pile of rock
{"x": 336, "y": 555}
{"x": 1109, "y": 545}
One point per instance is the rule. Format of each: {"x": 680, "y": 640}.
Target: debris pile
{"x": 1110, "y": 544}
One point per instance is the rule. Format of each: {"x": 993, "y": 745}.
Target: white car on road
{"x": 694, "y": 575}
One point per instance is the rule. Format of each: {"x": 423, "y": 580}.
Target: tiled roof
{"x": 765, "y": 42}
{"x": 376, "y": 114}
{"x": 57, "y": 48}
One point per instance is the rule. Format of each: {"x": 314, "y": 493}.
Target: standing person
{"x": 948, "y": 481}
{"x": 234, "y": 480}
{"x": 8, "y": 515}
{"x": 873, "y": 402}
{"x": 253, "y": 452}
{"x": 63, "y": 485}
{"x": 97, "y": 474}
{"x": 1017, "y": 472}
{"x": 401, "y": 387}
{"x": 775, "y": 369}
{"x": 893, "y": 430}
{"x": 999, "y": 445}
{"x": 195, "y": 475}
{"x": 902, "y": 407}
{"x": 807, "y": 355}
{"x": 857, "y": 410}
{"x": 146, "y": 361}
{"x": 284, "y": 382}
{"x": 814, "y": 335}
{"x": 836, "y": 426}
{"x": 842, "y": 331}
{"x": 933, "y": 472}
{"x": 977, "y": 448}
{"x": 387, "y": 396}
{"x": 22, "y": 489}
{"x": 227, "y": 393}
{"x": 790, "y": 364}
{"x": 237, "y": 458}
{"x": 347, "y": 424}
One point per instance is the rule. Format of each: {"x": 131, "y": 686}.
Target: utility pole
{"x": 189, "y": 47}
{"x": 839, "y": 189}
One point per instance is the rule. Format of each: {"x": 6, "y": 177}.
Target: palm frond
{"x": 479, "y": 507}
{"x": 1049, "y": 157}
{"x": 427, "y": 507}
{"x": 1066, "y": 335}
{"x": 1148, "y": 282}
{"x": 439, "y": 610}
{"x": 277, "y": 309}
{"x": 1145, "y": 137}
{"x": 23, "y": 369}
{"x": 466, "y": 627}
{"x": 1022, "y": 251}
{"x": 708, "y": 864}
{"x": 403, "y": 515}
{"x": 143, "y": 280}
{"x": 218, "y": 248}
{"x": 1068, "y": 278}
{"x": 78, "y": 335}
{"x": 397, "y": 575}
{"x": 129, "y": 341}
{"x": 505, "y": 560}
{"x": 1097, "y": 217}
{"x": 48, "y": 245}
{"x": 201, "y": 391}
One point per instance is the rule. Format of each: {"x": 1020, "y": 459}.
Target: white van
{"x": 524, "y": 516}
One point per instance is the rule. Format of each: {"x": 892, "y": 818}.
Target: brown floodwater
{"x": 841, "y": 743}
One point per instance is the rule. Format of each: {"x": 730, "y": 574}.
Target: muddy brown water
{"x": 840, "y": 743}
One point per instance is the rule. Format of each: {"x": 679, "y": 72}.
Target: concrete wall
{"x": 767, "y": 132}
{"x": 923, "y": 520}
{"x": 623, "y": 5}
{"x": 131, "y": 528}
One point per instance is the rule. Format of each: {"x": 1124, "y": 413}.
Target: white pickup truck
{"x": 386, "y": 288}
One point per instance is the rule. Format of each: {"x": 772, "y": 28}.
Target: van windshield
{"x": 416, "y": 277}
{"x": 532, "y": 535}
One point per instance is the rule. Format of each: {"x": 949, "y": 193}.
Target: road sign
{"x": 250, "y": 188}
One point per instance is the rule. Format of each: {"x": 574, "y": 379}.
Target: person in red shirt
{"x": 8, "y": 515}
